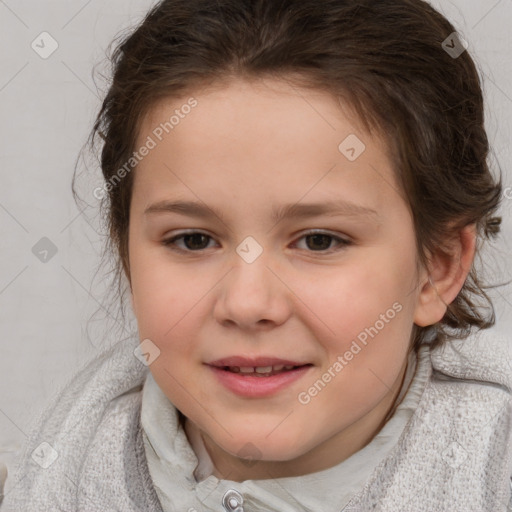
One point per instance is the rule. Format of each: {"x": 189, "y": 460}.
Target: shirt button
{"x": 233, "y": 501}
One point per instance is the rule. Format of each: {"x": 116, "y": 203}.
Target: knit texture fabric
{"x": 86, "y": 452}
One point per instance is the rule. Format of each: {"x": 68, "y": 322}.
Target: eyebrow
{"x": 296, "y": 210}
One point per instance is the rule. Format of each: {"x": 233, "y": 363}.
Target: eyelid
{"x": 169, "y": 241}
{"x": 343, "y": 241}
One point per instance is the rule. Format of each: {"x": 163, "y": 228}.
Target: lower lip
{"x": 257, "y": 387}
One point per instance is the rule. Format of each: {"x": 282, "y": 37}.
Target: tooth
{"x": 278, "y": 367}
{"x": 263, "y": 369}
{"x": 246, "y": 369}
{"x": 288, "y": 367}
{"x": 235, "y": 369}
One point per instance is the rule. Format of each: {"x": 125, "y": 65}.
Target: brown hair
{"x": 387, "y": 61}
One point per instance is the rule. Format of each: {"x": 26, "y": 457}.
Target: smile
{"x": 260, "y": 371}
{"x": 258, "y": 381}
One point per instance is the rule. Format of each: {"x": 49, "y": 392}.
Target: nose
{"x": 253, "y": 295}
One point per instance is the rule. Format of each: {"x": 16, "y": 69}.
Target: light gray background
{"x": 48, "y": 107}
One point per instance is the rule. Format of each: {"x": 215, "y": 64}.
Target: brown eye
{"x": 319, "y": 241}
{"x": 194, "y": 241}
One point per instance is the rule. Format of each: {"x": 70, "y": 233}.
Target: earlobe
{"x": 448, "y": 271}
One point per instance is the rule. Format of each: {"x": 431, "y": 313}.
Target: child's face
{"x": 347, "y": 310}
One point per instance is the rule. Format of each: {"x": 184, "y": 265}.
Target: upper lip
{"x": 254, "y": 362}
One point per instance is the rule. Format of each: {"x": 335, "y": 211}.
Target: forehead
{"x": 260, "y": 134}
{"x": 253, "y": 98}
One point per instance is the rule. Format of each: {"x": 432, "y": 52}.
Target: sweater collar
{"x": 181, "y": 469}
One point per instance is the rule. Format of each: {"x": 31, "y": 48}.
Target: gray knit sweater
{"x": 86, "y": 451}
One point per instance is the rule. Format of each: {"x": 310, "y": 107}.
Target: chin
{"x": 253, "y": 448}
{"x": 270, "y": 440}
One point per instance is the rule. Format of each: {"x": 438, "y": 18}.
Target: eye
{"x": 320, "y": 241}
{"x": 196, "y": 241}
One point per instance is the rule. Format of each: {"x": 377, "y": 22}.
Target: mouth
{"x": 257, "y": 366}
{"x": 257, "y": 378}
{"x": 261, "y": 371}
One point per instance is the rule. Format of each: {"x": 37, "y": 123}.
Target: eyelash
{"x": 170, "y": 242}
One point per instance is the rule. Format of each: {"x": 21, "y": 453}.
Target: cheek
{"x": 365, "y": 316}
{"x": 164, "y": 297}
{"x": 343, "y": 302}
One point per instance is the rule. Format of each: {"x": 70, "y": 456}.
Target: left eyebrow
{"x": 330, "y": 208}
{"x": 296, "y": 210}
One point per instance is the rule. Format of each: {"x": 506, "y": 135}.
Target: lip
{"x": 254, "y": 361}
{"x": 257, "y": 387}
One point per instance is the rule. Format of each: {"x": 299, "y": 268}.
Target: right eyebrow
{"x": 296, "y": 210}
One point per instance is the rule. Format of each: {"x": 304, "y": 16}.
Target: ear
{"x": 447, "y": 272}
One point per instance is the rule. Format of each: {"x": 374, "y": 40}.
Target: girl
{"x": 270, "y": 371}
